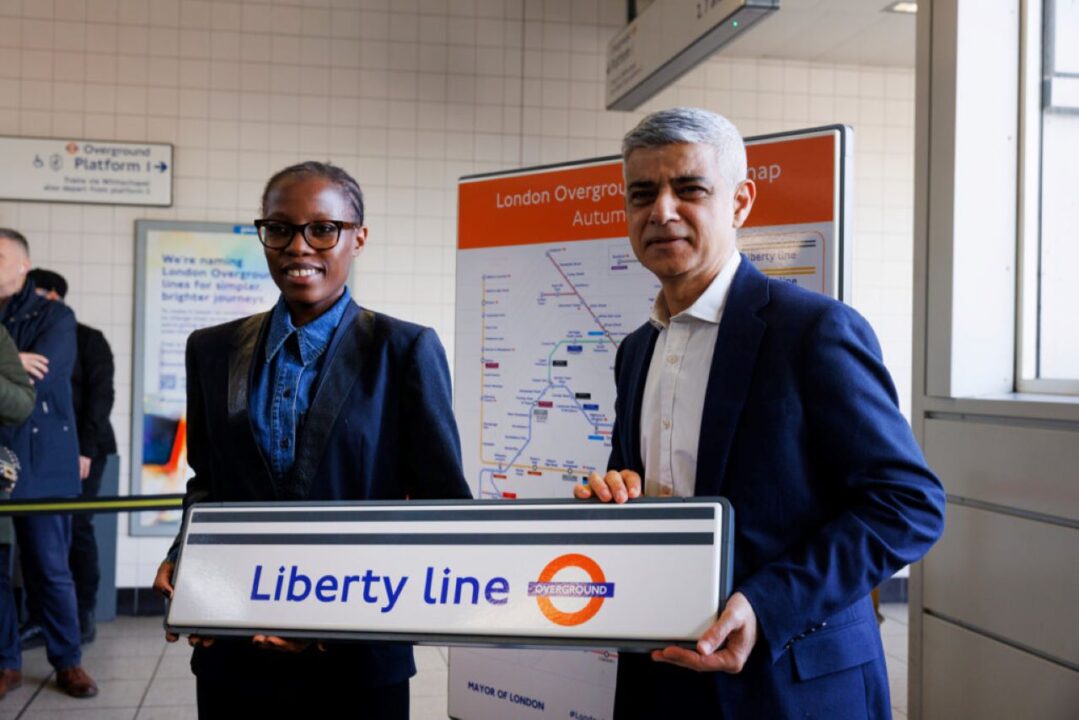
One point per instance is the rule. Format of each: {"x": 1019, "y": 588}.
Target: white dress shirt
{"x": 675, "y": 388}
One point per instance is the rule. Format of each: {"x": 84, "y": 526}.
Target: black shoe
{"x": 31, "y": 635}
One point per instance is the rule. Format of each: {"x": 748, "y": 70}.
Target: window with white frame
{"x": 1048, "y": 356}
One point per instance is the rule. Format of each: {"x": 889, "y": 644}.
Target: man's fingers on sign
{"x": 619, "y": 486}
{"x": 736, "y": 625}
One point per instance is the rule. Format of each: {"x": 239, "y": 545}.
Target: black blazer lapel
{"x": 249, "y": 336}
{"x": 242, "y": 350}
{"x": 638, "y": 375}
{"x": 739, "y": 338}
{"x": 342, "y": 369}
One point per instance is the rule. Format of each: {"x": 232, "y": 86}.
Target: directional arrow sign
{"x": 85, "y": 171}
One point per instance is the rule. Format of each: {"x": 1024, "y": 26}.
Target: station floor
{"x": 144, "y": 678}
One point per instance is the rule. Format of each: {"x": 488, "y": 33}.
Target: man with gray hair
{"x": 48, "y": 453}
{"x": 777, "y": 399}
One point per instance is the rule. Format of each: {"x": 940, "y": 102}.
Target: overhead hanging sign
{"x": 668, "y": 40}
{"x": 100, "y": 172}
{"x": 540, "y": 573}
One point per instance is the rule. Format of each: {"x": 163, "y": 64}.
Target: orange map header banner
{"x": 795, "y": 180}
{"x": 796, "y": 183}
{"x": 584, "y": 202}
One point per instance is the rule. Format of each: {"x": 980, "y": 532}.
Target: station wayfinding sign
{"x": 101, "y": 172}
{"x": 641, "y": 575}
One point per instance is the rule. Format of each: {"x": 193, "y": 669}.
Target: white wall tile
{"x": 69, "y": 9}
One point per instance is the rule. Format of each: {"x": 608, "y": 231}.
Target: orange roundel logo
{"x": 546, "y": 587}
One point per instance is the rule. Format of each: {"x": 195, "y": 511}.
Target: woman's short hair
{"x": 334, "y": 174}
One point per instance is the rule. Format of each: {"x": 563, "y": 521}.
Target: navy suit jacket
{"x": 47, "y": 444}
{"x": 380, "y": 426}
{"x": 802, "y": 433}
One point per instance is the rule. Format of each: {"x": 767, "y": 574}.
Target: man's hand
{"x": 617, "y": 485}
{"x": 163, "y": 585}
{"x": 737, "y": 626}
{"x": 272, "y": 642}
{"x": 36, "y": 366}
{"x": 84, "y": 467}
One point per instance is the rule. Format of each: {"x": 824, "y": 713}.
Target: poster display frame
{"x": 843, "y": 202}
{"x": 138, "y": 362}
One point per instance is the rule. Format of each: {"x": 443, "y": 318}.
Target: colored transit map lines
{"x": 550, "y": 318}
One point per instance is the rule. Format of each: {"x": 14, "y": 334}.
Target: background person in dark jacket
{"x": 16, "y": 404}
{"x": 48, "y": 452}
{"x": 93, "y": 395}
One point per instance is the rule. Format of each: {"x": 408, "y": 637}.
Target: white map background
{"x": 537, "y": 331}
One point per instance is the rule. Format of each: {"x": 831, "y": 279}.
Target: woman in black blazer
{"x": 361, "y": 411}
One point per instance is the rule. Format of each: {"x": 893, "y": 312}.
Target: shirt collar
{"x": 312, "y": 337}
{"x": 708, "y": 307}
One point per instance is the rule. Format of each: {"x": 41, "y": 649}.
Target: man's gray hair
{"x": 17, "y": 237}
{"x": 692, "y": 125}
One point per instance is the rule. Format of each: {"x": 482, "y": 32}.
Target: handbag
{"x": 9, "y": 470}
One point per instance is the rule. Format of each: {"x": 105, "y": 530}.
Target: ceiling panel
{"x": 839, "y": 31}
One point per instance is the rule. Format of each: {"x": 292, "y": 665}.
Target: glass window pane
{"x": 1059, "y": 325}
{"x": 1063, "y": 24}
{"x": 1058, "y": 257}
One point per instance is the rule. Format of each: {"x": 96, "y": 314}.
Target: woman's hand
{"x": 163, "y": 585}
{"x": 272, "y": 642}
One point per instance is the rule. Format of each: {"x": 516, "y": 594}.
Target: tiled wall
{"x": 407, "y": 95}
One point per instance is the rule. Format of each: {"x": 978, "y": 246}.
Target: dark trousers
{"x": 10, "y": 655}
{"x": 84, "y": 561}
{"x": 235, "y": 679}
{"x": 44, "y": 546}
{"x": 229, "y": 698}
{"x": 646, "y": 689}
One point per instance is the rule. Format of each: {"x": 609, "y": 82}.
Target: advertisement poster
{"x": 189, "y": 276}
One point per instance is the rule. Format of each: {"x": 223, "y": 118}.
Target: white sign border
{"x": 726, "y": 558}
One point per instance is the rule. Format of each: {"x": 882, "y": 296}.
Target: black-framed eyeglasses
{"x": 320, "y": 234}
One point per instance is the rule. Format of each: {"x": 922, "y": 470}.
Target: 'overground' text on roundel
{"x": 596, "y": 591}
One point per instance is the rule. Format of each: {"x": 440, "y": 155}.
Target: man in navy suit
{"x": 776, "y": 398}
